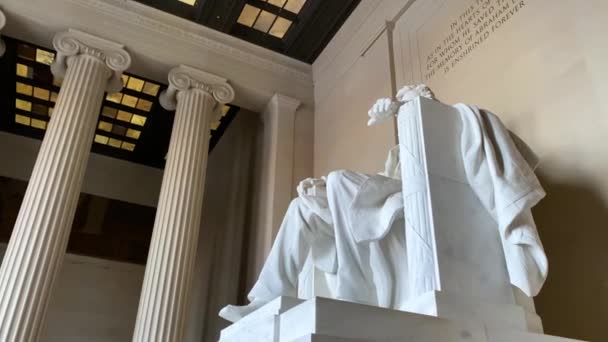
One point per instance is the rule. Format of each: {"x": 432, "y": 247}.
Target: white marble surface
{"x": 262, "y": 325}
{"x": 468, "y": 187}
{"x": 449, "y": 241}
{"x": 456, "y": 265}
{"x": 328, "y": 320}
{"x": 443, "y": 212}
{"x": 386, "y": 108}
{"x": 313, "y": 282}
{"x": 472, "y": 310}
{"x": 346, "y": 216}
{"x": 325, "y": 338}
{"x": 349, "y": 320}
{"x": 499, "y": 335}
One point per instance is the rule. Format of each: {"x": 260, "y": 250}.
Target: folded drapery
{"x": 500, "y": 169}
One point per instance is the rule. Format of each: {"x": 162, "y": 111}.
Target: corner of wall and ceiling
{"x": 358, "y": 33}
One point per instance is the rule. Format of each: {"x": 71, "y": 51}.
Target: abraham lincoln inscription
{"x": 469, "y": 30}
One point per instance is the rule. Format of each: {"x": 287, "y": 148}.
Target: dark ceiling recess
{"x": 297, "y": 28}
{"x": 132, "y": 125}
{"x": 102, "y": 227}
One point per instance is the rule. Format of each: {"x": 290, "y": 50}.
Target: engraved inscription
{"x": 468, "y": 31}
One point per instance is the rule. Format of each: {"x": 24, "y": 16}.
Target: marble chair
{"x": 457, "y": 264}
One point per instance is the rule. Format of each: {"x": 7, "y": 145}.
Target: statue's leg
{"x": 354, "y": 274}
{"x": 279, "y": 276}
{"x": 388, "y": 258}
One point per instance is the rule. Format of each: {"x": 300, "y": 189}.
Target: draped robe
{"x": 352, "y": 223}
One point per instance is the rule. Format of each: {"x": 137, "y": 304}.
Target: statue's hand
{"x": 311, "y": 186}
{"x": 381, "y": 110}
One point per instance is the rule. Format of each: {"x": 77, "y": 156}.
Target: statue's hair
{"x": 413, "y": 91}
{"x": 425, "y": 91}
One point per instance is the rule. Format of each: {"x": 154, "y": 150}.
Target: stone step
{"x": 356, "y": 321}
{"x": 499, "y": 335}
{"x": 261, "y": 325}
{"x": 326, "y": 320}
{"x": 325, "y": 338}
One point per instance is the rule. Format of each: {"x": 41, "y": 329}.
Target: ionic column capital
{"x": 2, "y": 23}
{"x": 73, "y": 43}
{"x": 185, "y": 78}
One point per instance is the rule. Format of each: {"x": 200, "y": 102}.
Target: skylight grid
{"x": 35, "y": 94}
{"x": 188, "y": 2}
{"x": 267, "y": 22}
{"x": 293, "y": 6}
{"x": 124, "y": 128}
{"x": 124, "y": 114}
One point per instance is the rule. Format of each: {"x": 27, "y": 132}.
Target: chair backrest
{"x": 453, "y": 244}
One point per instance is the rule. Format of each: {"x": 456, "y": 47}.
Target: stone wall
{"x": 539, "y": 65}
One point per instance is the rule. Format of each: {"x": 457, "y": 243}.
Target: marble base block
{"x": 499, "y": 335}
{"x": 474, "y": 311}
{"x": 327, "y": 317}
{"x": 325, "y": 338}
{"x": 261, "y": 325}
{"x": 328, "y": 320}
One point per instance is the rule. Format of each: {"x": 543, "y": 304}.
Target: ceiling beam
{"x": 158, "y": 41}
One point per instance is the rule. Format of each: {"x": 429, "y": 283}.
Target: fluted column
{"x": 89, "y": 66}
{"x": 2, "y": 23}
{"x": 163, "y": 304}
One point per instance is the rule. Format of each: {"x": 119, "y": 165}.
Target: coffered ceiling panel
{"x": 296, "y": 28}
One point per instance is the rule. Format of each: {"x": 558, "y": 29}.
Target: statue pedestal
{"x": 459, "y": 283}
{"x": 328, "y": 320}
{"x": 261, "y": 325}
{"x": 473, "y": 311}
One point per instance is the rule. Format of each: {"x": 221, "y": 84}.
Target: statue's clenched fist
{"x": 381, "y": 110}
{"x": 386, "y": 107}
{"x": 312, "y": 187}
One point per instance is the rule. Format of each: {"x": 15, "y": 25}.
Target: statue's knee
{"x": 336, "y": 177}
{"x": 295, "y": 204}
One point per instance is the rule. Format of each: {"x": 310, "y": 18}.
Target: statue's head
{"x": 410, "y": 92}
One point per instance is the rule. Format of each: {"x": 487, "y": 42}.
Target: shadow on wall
{"x": 573, "y": 224}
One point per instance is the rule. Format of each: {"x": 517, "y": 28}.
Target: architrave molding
{"x": 202, "y": 36}
{"x": 158, "y": 41}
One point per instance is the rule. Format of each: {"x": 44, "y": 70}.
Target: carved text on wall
{"x": 469, "y": 30}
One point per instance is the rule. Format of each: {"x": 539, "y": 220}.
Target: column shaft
{"x": 38, "y": 242}
{"x": 35, "y": 251}
{"x": 164, "y": 299}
